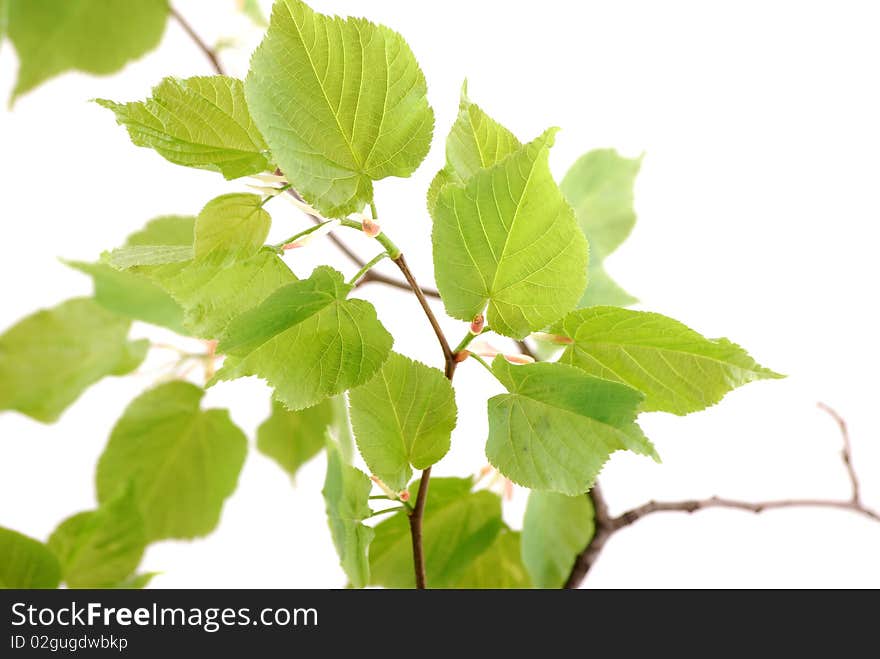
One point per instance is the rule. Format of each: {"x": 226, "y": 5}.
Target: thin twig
{"x": 846, "y": 451}
{"x": 209, "y": 52}
{"x": 370, "y": 277}
{"x": 607, "y": 526}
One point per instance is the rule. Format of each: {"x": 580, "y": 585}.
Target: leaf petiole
{"x": 367, "y": 267}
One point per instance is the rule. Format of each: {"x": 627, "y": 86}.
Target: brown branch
{"x": 603, "y": 531}
{"x": 209, "y": 52}
{"x": 415, "y": 530}
{"x": 607, "y": 526}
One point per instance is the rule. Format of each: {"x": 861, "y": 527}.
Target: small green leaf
{"x": 252, "y": 9}
{"x": 509, "y": 240}
{"x": 677, "y": 369}
{"x": 200, "y": 122}
{"x": 165, "y": 230}
{"x": 500, "y": 566}
{"x": 51, "y": 357}
{"x": 307, "y": 341}
{"x": 341, "y": 102}
{"x": 403, "y": 416}
{"x": 223, "y": 273}
{"x": 136, "y": 296}
{"x": 476, "y": 142}
{"x": 459, "y": 525}
{"x": 95, "y": 36}
{"x": 556, "y": 528}
{"x": 101, "y": 548}
{"x": 346, "y": 493}
{"x": 294, "y": 438}
{"x": 558, "y": 426}
{"x": 132, "y": 296}
{"x": 26, "y": 563}
{"x": 183, "y": 461}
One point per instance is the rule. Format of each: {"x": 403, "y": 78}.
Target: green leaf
{"x": 556, "y": 528}
{"x": 475, "y": 142}
{"x": 95, "y": 36}
{"x": 509, "y": 239}
{"x": 500, "y": 566}
{"x": 294, "y": 438}
{"x": 101, "y": 548}
{"x": 677, "y": 369}
{"x": 26, "y": 563}
{"x": 51, "y": 357}
{"x": 136, "y": 296}
{"x": 599, "y": 186}
{"x": 404, "y": 416}
{"x": 226, "y": 271}
{"x": 346, "y": 493}
{"x": 341, "y": 102}
{"x": 183, "y": 461}
{"x": 459, "y": 525}
{"x": 165, "y": 230}
{"x": 252, "y": 9}
{"x": 307, "y": 341}
{"x": 200, "y": 122}
{"x": 558, "y": 426}
{"x": 131, "y": 296}
{"x": 136, "y": 581}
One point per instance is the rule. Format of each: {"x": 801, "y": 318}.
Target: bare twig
{"x": 846, "y": 451}
{"x": 607, "y": 526}
{"x": 209, "y": 52}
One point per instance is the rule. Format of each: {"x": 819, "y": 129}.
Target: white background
{"x": 758, "y": 214}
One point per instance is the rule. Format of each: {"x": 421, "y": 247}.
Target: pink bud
{"x": 461, "y": 355}
{"x": 370, "y": 227}
{"x": 293, "y": 245}
{"x": 404, "y": 495}
{"x": 478, "y": 323}
{"x": 519, "y": 359}
{"x": 553, "y": 338}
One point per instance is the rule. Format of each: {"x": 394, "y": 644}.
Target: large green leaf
{"x": 342, "y": 103}
{"x": 346, "y": 493}
{"x": 556, "y": 528}
{"x": 183, "y": 461}
{"x": 459, "y": 525}
{"x": 475, "y": 142}
{"x": 101, "y": 548}
{"x": 224, "y": 273}
{"x": 307, "y": 340}
{"x": 26, "y": 563}
{"x": 509, "y": 240}
{"x": 677, "y": 369}
{"x": 294, "y": 438}
{"x": 403, "y": 416}
{"x": 558, "y": 426}
{"x": 51, "y": 357}
{"x": 199, "y": 122}
{"x": 500, "y": 566}
{"x": 136, "y": 296}
{"x": 95, "y": 36}
{"x": 599, "y": 186}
